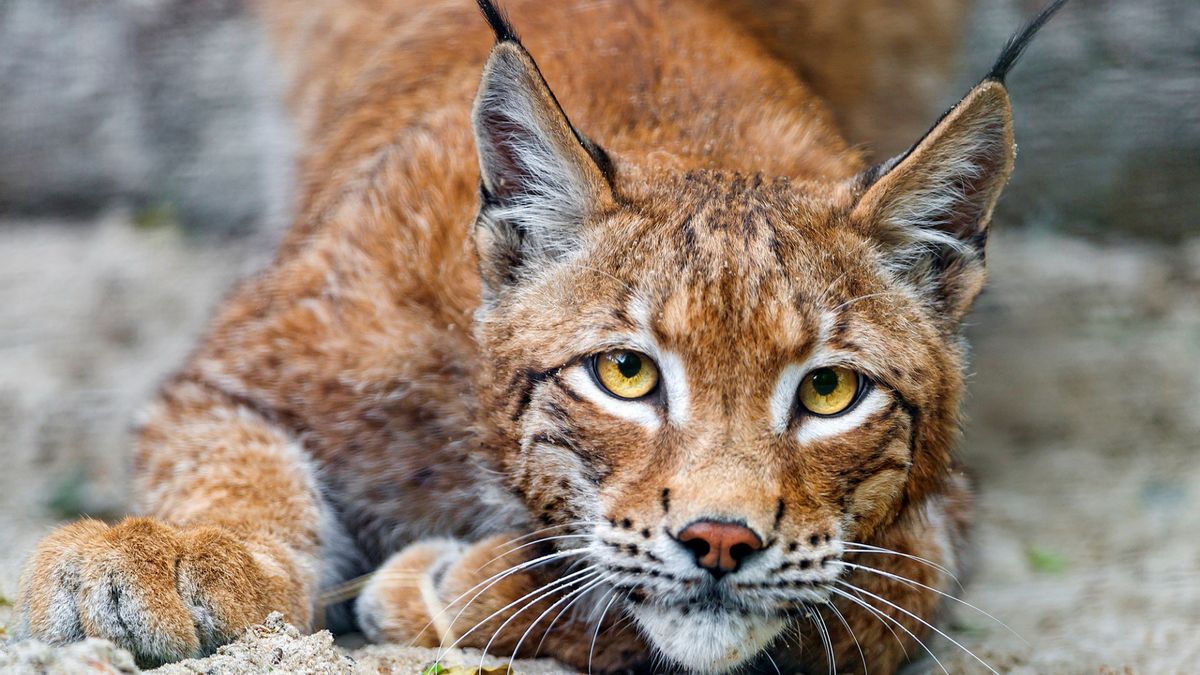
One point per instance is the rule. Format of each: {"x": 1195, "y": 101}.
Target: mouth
{"x": 707, "y": 617}
{"x": 719, "y": 625}
{"x": 707, "y": 639}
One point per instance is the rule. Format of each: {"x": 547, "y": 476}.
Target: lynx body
{"x": 629, "y": 359}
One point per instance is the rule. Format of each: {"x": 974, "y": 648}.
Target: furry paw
{"x": 162, "y": 593}
{"x": 493, "y": 594}
{"x": 402, "y": 603}
{"x": 441, "y": 592}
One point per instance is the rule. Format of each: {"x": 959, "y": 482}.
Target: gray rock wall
{"x": 153, "y": 103}
{"x": 1107, "y": 108}
{"x": 172, "y": 102}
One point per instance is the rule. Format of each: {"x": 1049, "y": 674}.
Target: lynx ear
{"x": 932, "y": 205}
{"x": 540, "y": 178}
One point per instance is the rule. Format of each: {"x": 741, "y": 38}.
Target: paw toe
{"x": 399, "y": 603}
{"x": 117, "y": 583}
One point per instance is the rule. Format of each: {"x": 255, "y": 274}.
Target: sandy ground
{"x": 1084, "y": 433}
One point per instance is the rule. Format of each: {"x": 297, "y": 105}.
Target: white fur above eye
{"x": 640, "y": 411}
{"x": 784, "y": 396}
{"x": 670, "y": 365}
{"x": 674, "y": 379}
{"x": 787, "y": 388}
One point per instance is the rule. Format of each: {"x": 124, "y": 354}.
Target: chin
{"x": 715, "y": 641}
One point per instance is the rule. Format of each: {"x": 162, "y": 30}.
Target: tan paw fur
{"x": 160, "y": 592}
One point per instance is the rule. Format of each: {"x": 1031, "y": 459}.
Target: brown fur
{"x": 881, "y": 66}
{"x": 358, "y": 387}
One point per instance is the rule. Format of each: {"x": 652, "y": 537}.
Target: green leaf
{"x": 159, "y": 216}
{"x": 438, "y": 669}
{"x": 1046, "y": 561}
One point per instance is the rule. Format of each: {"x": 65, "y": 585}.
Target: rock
{"x": 90, "y": 656}
{"x": 273, "y": 645}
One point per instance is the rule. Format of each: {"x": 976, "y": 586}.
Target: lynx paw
{"x": 434, "y": 591}
{"x": 493, "y": 594}
{"x": 164, "y": 594}
{"x": 401, "y": 602}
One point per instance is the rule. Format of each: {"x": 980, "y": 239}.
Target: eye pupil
{"x": 825, "y": 381}
{"x": 624, "y": 373}
{"x": 629, "y": 364}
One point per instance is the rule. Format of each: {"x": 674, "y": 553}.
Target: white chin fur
{"x": 706, "y": 642}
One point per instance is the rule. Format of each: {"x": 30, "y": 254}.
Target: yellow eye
{"x": 828, "y": 391}
{"x": 626, "y": 374}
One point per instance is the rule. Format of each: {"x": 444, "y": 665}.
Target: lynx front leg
{"x": 498, "y": 595}
{"x": 232, "y": 535}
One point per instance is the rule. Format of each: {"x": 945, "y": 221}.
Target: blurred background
{"x": 145, "y": 164}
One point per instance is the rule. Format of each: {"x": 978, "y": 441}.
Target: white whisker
{"x": 912, "y": 582}
{"x": 597, "y": 270}
{"x": 774, "y": 665}
{"x": 826, "y": 641}
{"x": 592, "y": 583}
{"x": 552, "y": 585}
{"x": 596, "y": 634}
{"x": 535, "y": 542}
{"x": 861, "y": 655}
{"x": 492, "y": 581}
{"x": 865, "y": 297}
{"x": 923, "y": 622}
{"x": 550, "y": 588}
{"x": 534, "y": 533}
{"x": 895, "y": 635}
{"x": 558, "y": 616}
{"x": 857, "y": 251}
{"x": 884, "y": 618}
{"x": 860, "y": 548}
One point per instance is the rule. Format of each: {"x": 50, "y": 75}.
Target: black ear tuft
{"x": 1017, "y": 43}
{"x": 498, "y": 21}
{"x": 1013, "y": 49}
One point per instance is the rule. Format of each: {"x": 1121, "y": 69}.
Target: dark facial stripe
{"x": 779, "y": 511}
{"x": 914, "y": 414}
{"x": 558, "y": 412}
{"x": 880, "y": 460}
{"x": 625, "y": 293}
{"x": 526, "y": 380}
{"x": 563, "y": 436}
{"x": 594, "y": 462}
{"x": 571, "y": 394}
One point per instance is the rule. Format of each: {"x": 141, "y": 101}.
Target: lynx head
{"x": 712, "y": 383}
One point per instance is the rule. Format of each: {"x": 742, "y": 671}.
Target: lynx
{"x": 631, "y": 361}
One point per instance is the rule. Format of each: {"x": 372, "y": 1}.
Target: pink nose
{"x": 719, "y": 547}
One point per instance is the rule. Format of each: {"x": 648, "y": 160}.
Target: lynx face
{"x": 744, "y": 360}
{"x": 714, "y": 383}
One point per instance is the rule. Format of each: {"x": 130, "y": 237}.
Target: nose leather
{"x": 719, "y": 547}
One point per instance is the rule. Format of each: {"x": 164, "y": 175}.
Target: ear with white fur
{"x": 931, "y": 206}
{"x": 540, "y": 178}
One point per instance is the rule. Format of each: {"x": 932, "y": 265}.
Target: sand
{"x": 1084, "y": 433}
